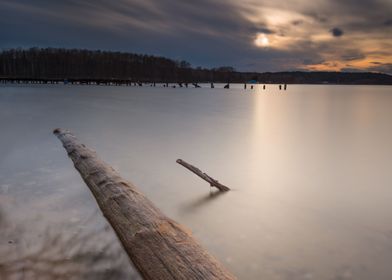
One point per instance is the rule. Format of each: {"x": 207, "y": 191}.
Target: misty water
{"x": 310, "y": 172}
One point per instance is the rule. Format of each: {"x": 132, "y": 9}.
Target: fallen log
{"x": 158, "y": 246}
{"x": 204, "y": 176}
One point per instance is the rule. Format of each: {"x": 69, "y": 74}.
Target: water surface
{"x": 310, "y": 170}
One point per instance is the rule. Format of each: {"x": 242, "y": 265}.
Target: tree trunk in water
{"x": 158, "y": 246}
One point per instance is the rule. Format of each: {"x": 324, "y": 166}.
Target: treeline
{"x": 55, "y": 64}
{"x": 51, "y": 63}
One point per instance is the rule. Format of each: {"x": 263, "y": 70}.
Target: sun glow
{"x": 261, "y": 40}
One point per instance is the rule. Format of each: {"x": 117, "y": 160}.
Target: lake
{"x": 310, "y": 170}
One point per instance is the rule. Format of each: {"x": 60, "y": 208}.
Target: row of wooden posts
{"x": 112, "y": 82}
{"x": 158, "y": 247}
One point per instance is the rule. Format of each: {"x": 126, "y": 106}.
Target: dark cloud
{"x": 310, "y": 61}
{"x": 336, "y": 32}
{"x": 388, "y": 22}
{"x": 383, "y": 68}
{"x": 264, "y": 30}
{"x": 351, "y": 70}
{"x": 206, "y": 32}
{"x": 352, "y": 55}
{"x": 297, "y": 22}
{"x": 316, "y": 16}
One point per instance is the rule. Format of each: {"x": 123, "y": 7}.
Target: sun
{"x": 261, "y": 40}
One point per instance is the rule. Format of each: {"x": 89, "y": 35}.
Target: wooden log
{"x": 159, "y": 247}
{"x": 204, "y": 176}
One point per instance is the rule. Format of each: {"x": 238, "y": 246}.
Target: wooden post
{"x": 158, "y": 246}
{"x": 204, "y": 176}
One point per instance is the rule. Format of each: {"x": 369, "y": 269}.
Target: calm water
{"x": 310, "y": 170}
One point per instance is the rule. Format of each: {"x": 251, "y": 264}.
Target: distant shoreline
{"x": 114, "y": 68}
{"x": 130, "y": 83}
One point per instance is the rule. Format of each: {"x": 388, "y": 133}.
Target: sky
{"x": 250, "y": 35}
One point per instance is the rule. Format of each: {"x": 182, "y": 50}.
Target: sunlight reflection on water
{"x": 309, "y": 168}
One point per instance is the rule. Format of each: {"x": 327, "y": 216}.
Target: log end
{"x": 60, "y": 131}
{"x": 57, "y": 131}
{"x": 223, "y": 188}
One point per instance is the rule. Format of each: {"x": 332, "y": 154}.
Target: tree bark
{"x": 158, "y": 246}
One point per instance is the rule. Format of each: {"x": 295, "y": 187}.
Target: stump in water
{"x": 204, "y": 176}
{"x": 158, "y": 246}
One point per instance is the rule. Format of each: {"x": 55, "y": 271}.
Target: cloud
{"x": 383, "y": 68}
{"x": 336, "y": 32}
{"x": 351, "y": 70}
{"x": 388, "y": 22}
{"x": 310, "y": 61}
{"x": 350, "y": 55}
{"x": 211, "y": 32}
{"x": 297, "y": 22}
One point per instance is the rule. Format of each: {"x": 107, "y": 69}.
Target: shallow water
{"x": 310, "y": 170}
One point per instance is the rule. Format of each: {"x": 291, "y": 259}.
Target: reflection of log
{"x": 204, "y": 176}
{"x": 159, "y": 247}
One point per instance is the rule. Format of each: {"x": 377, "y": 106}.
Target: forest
{"x": 79, "y": 64}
